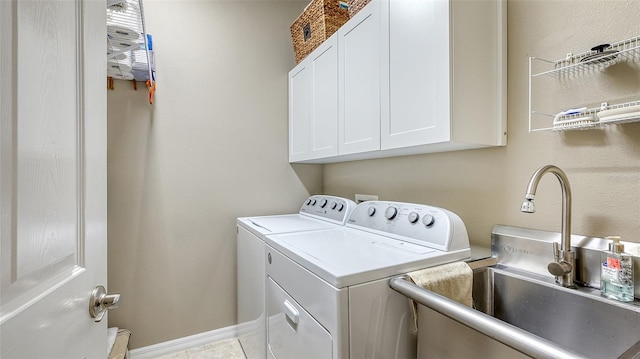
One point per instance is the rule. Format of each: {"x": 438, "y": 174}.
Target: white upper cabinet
{"x": 362, "y": 73}
{"x": 419, "y": 74}
{"x": 299, "y": 113}
{"x": 313, "y": 105}
{"x": 447, "y": 76}
{"x": 418, "y": 77}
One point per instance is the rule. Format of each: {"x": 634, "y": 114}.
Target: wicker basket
{"x": 319, "y": 20}
{"x": 356, "y": 5}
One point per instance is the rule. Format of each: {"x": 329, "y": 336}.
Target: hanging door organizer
{"x": 129, "y": 47}
{"x": 578, "y": 68}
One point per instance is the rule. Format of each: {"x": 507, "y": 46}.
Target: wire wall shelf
{"x": 580, "y": 65}
{"x": 590, "y": 118}
{"x": 129, "y": 47}
{"x": 597, "y": 58}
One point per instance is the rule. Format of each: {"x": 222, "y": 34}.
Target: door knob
{"x": 100, "y": 302}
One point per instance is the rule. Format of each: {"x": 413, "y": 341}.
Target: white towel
{"x": 453, "y": 280}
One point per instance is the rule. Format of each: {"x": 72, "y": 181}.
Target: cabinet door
{"x": 419, "y": 74}
{"x": 361, "y": 71}
{"x": 313, "y": 104}
{"x": 324, "y": 100}
{"x": 299, "y": 111}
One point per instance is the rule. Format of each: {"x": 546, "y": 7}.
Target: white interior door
{"x": 52, "y": 177}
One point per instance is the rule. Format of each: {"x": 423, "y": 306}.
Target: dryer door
{"x": 292, "y": 333}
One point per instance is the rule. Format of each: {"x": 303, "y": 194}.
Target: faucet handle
{"x": 560, "y": 268}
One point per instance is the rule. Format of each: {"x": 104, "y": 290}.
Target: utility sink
{"x": 519, "y": 311}
{"x": 579, "y": 320}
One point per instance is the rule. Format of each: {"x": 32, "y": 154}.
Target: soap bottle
{"x": 616, "y": 272}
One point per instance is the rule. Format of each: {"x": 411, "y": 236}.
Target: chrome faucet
{"x": 564, "y": 259}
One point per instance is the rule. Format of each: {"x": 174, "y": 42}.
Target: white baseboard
{"x": 176, "y": 345}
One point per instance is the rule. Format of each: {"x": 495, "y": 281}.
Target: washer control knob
{"x": 340, "y": 207}
{"x": 391, "y": 213}
{"x": 413, "y": 217}
{"x": 371, "y": 211}
{"x": 313, "y": 202}
{"x": 428, "y": 220}
{"x": 323, "y": 203}
{"x": 333, "y": 205}
{"x": 308, "y": 201}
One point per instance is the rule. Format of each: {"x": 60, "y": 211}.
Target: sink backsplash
{"x": 531, "y": 250}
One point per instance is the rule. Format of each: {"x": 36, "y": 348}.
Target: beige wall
{"x": 213, "y": 147}
{"x": 486, "y": 187}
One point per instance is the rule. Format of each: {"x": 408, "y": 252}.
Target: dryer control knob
{"x": 340, "y": 207}
{"x": 428, "y": 220}
{"x": 413, "y": 217}
{"x": 371, "y": 211}
{"x": 308, "y": 201}
{"x": 313, "y": 202}
{"x": 323, "y": 203}
{"x": 334, "y": 205}
{"x": 391, "y": 213}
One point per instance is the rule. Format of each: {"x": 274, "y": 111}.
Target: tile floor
{"x": 226, "y": 349}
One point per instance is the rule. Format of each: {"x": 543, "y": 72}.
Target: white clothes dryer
{"x": 318, "y": 212}
{"x": 328, "y": 293}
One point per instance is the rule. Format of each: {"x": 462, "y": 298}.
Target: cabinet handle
{"x": 291, "y": 312}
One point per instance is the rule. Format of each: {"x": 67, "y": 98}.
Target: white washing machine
{"x": 328, "y": 292}
{"x": 317, "y": 213}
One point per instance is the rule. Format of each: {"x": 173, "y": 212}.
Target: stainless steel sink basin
{"x": 576, "y": 319}
{"x": 519, "y": 310}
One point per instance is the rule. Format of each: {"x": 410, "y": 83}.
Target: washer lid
{"x": 347, "y": 256}
{"x": 283, "y": 224}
